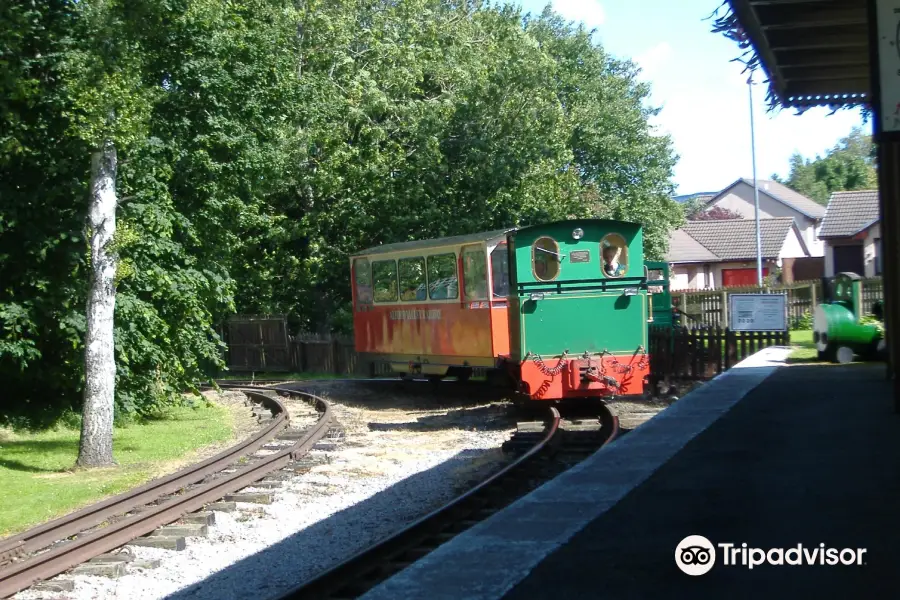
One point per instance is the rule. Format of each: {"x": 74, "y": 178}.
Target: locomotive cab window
{"x": 475, "y": 274}
{"x": 653, "y": 276}
{"x": 384, "y": 273}
{"x": 614, "y": 251}
{"x": 500, "y": 271}
{"x": 545, "y": 259}
{"x": 442, "y": 278}
{"x": 412, "y": 279}
{"x": 363, "y": 280}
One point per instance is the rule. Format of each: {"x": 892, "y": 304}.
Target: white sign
{"x": 888, "y": 18}
{"x": 757, "y": 312}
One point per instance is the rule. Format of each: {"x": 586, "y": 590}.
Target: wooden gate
{"x": 258, "y": 343}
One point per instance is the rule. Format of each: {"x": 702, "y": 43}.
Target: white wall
{"x": 792, "y": 247}
{"x": 869, "y": 250}
{"x": 740, "y": 200}
{"x": 694, "y": 276}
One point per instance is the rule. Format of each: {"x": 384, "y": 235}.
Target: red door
{"x": 740, "y": 277}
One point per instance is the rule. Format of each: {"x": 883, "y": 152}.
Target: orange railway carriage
{"x": 558, "y": 310}
{"x": 435, "y": 307}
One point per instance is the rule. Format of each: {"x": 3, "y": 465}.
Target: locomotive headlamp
{"x": 578, "y": 233}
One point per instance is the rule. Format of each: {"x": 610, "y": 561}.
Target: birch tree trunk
{"x": 95, "y": 449}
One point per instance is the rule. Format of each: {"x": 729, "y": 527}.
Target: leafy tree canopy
{"x": 849, "y": 165}
{"x": 716, "y": 213}
{"x": 261, "y": 142}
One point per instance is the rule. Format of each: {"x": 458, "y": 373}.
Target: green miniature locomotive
{"x": 838, "y": 328}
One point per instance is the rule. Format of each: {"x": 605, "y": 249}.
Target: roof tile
{"x": 684, "y": 248}
{"x": 733, "y": 239}
{"x": 849, "y": 213}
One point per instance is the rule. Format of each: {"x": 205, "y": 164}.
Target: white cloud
{"x": 652, "y": 59}
{"x": 589, "y": 12}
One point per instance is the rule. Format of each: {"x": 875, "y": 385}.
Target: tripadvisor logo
{"x": 696, "y": 555}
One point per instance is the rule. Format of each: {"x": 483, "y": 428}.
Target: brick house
{"x": 717, "y": 254}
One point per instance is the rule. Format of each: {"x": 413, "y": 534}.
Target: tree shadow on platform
{"x": 280, "y": 567}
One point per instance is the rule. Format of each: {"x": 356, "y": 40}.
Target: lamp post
{"x": 755, "y": 185}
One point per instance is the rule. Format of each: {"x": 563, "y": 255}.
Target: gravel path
{"x": 395, "y": 465}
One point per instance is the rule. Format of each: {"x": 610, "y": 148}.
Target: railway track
{"x": 55, "y": 547}
{"x": 546, "y": 449}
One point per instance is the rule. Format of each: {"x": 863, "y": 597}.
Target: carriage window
{"x": 384, "y": 272}
{"x": 615, "y": 255}
{"x": 363, "y": 279}
{"x": 442, "y": 281}
{"x": 500, "y": 271}
{"x": 412, "y": 279}
{"x": 475, "y": 273}
{"x": 545, "y": 259}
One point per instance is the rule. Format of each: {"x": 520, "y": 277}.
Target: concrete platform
{"x": 765, "y": 456}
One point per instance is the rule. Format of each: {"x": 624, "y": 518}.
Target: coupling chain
{"x": 643, "y": 362}
{"x": 548, "y": 371}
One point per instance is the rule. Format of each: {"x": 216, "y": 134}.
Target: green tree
{"x": 849, "y": 165}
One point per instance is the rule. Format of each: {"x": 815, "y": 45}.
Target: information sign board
{"x": 757, "y": 312}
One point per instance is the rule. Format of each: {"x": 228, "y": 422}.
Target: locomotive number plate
{"x": 580, "y": 256}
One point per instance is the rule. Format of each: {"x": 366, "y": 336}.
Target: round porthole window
{"x": 545, "y": 259}
{"x": 614, "y": 255}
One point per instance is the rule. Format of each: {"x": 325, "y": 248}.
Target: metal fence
{"x": 688, "y": 353}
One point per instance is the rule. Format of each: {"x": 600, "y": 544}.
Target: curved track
{"x": 46, "y": 550}
{"x": 549, "y": 453}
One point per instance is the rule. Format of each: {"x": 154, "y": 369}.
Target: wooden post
{"x": 888, "y": 146}
{"x": 724, "y": 308}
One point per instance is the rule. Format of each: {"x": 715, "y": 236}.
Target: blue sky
{"x": 703, "y": 96}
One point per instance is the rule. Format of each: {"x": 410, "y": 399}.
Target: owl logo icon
{"x": 695, "y": 555}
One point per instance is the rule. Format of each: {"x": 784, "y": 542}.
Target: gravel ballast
{"x": 393, "y": 466}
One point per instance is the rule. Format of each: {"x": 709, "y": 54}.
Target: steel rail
{"x": 372, "y": 559}
{"x": 20, "y": 575}
{"x": 63, "y": 527}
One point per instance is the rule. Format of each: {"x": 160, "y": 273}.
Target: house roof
{"x": 730, "y": 239}
{"x": 849, "y": 213}
{"x": 684, "y": 248}
{"x": 780, "y": 193}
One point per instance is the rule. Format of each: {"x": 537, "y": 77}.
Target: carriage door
{"x": 475, "y": 283}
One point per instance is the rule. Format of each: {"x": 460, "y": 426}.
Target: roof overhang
{"x": 814, "y": 52}
{"x": 850, "y": 236}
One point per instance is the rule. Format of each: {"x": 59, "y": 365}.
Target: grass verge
{"x": 38, "y": 481}
{"x": 804, "y": 348}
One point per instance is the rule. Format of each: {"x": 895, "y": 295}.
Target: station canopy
{"x": 814, "y": 52}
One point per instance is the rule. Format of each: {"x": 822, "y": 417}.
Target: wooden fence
{"x": 710, "y": 308}
{"x": 257, "y": 343}
{"x": 702, "y": 353}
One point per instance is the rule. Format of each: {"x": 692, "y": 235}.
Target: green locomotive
{"x": 580, "y": 310}
{"x": 838, "y": 331}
